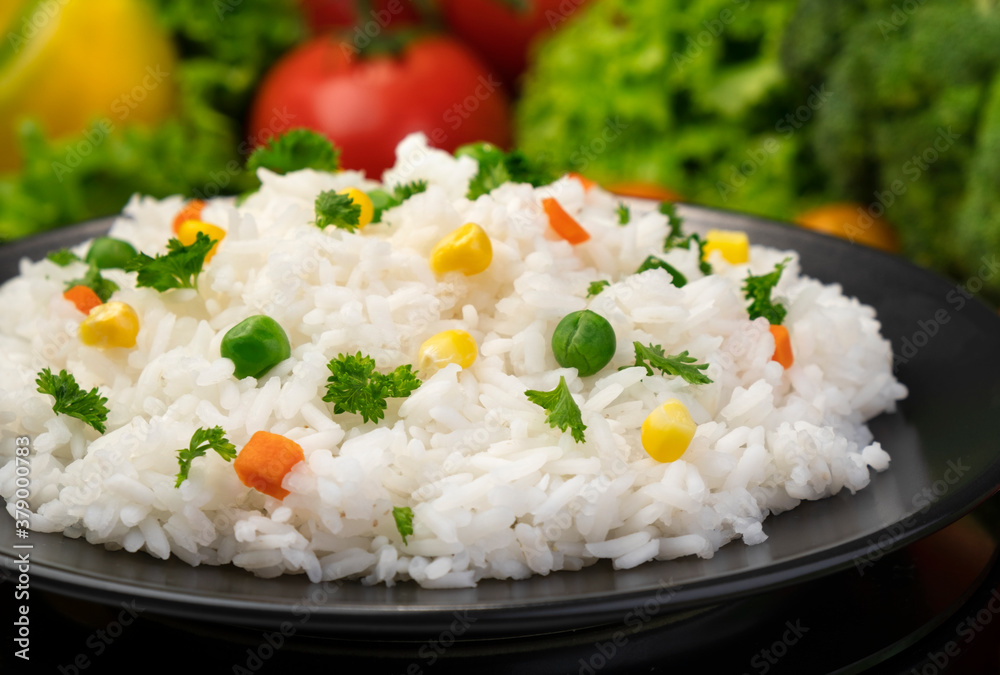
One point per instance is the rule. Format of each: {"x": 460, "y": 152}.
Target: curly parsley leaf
{"x": 62, "y": 257}
{"x": 596, "y": 287}
{"x": 403, "y": 515}
{"x": 382, "y": 201}
{"x": 338, "y": 210}
{"x": 355, "y": 386}
{"x": 560, "y": 409}
{"x": 95, "y": 282}
{"x": 178, "y": 268}
{"x": 654, "y": 263}
{"x": 73, "y": 401}
{"x": 202, "y": 441}
{"x": 497, "y": 167}
{"x": 680, "y": 365}
{"x": 757, "y": 289}
{"x": 296, "y": 150}
{"x": 624, "y": 214}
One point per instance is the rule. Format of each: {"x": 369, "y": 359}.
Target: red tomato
{"x": 366, "y": 105}
{"x": 325, "y": 14}
{"x": 502, "y": 34}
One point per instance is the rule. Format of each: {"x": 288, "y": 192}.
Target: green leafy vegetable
{"x": 295, "y": 150}
{"x": 71, "y": 400}
{"x": 560, "y": 409}
{"x": 338, "y": 210}
{"x": 403, "y": 515}
{"x": 225, "y": 48}
{"x": 95, "y": 282}
{"x": 62, "y": 257}
{"x": 596, "y": 287}
{"x": 355, "y": 386}
{"x": 677, "y": 239}
{"x": 497, "y": 167}
{"x": 383, "y": 201}
{"x": 654, "y": 263}
{"x": 680, "y": 365}
{"x": 757, "y": 290}
{"x": 202, "y": 441}
{"x": 178, "y": 268}
{"x": 624, "y": 214}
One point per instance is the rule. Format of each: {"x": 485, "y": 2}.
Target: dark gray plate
{"x": 945, "y": 461}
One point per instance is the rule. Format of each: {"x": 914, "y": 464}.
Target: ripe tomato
{"x": 367, "y": 104}
{"x": 323, "y": 15}
{"x": 503, "y": 34}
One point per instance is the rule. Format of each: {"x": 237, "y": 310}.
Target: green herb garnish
{"x": 560, "y": 409}
{"x": 382, "y": 201}
{"x": 596, "y": 287}
{"x": 202, "y": 441}
{"x": 403, "y": 515}
{"x": 95, "y": 282}
{"x": 62, "y": 257}
{"x": 73, "y": 401}
{"x": 654, "y": 263}
{"x": 338, "y": 210}
{"x": 355, "y": 386}
{"x": 677, "y": 239}
{"x": 178, "y": 268}
{"x": 757, "y": 290}
{"x": 680, "y": 365}
{"x": 497, "y": 167}
{"x": 624, "y": 214}
{"x": 296, "y": 150}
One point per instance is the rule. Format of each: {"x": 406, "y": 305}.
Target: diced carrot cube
{"x": 265, "y": 461}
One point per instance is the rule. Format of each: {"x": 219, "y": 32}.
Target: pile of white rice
{"x": 495, "y": 491}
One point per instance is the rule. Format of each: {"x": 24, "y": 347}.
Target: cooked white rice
{"x": 495, "y": 491}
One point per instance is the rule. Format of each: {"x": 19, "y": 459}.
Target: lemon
{"x": 71, "y": 63}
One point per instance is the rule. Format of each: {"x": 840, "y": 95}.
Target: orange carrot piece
{"x": 782, "y": 346}
{"x": 191, "y": 211}
{"x": 83, "y": 297}
{"x": 265, "y": 461}
{"x": 563, "y": 223}
{"x": 583, "y": 180}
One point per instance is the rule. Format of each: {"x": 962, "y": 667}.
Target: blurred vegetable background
{"x": 876, "y": 120}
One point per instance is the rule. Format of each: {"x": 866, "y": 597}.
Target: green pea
{"x": 108, "y": 252}
{"x": 585, "y": 341}
{"x": 255, "y": 345}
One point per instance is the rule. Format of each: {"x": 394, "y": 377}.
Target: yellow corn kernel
{"x": 733, "y": 245}
{"x": 188, "y": 231}
{"x": 362, "y": 200}
{"x": 467, "y": 250}
{"x": 668, "y": 431}
{"x": 113, "y": 324}
{"x": 450, "y": 346}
